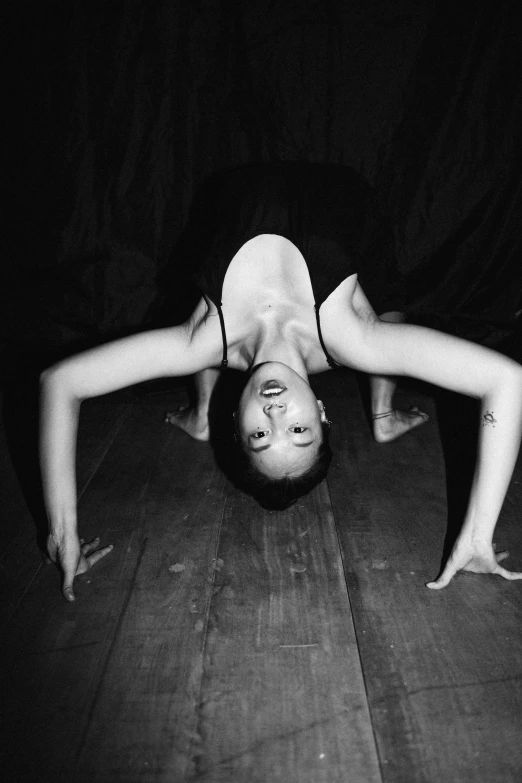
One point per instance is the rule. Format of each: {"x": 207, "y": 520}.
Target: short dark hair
{"x": 278, "y": 494}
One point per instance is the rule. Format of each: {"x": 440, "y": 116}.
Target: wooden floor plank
{"x": 53, "y": 653}
{"x": 217, "y": 642}
{"x": 100, "y": 422}
{"x": 283, "y": 696}
{"x": 20, "y": 556}
{"x": 443, "y": 669}
{"x": 151, "y": 683}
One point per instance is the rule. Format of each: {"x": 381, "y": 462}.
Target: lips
{"x": 272, "y": 388}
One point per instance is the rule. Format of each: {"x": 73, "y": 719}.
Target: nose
{"x": 274, "y": 407}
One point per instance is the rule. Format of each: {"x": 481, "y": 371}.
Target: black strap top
{"x": 328, "y": 212}
{"x": 224, "y": 361}
{"x": 333, "y": 364}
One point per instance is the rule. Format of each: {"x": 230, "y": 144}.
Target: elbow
{"x": 514, "y": 376}
{"x": 518, "y": 379}
{"x": 507, "y": 381}
{"x": 46, "y": 377}
{"x": 51, "y": 376}
{"x": 57, "y": 382}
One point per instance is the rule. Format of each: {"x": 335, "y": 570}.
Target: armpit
{"x": 362, "y": 306}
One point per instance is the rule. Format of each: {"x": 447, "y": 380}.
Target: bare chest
{"x": 267, "y": 273}
{"x": 267, "y": 290}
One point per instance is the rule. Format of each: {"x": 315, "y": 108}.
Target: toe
{"x": 414, "y": 411}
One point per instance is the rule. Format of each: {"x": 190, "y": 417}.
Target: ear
{"x": 323, "y": 412}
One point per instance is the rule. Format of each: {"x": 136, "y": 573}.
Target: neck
{"x": 273, "y": 345}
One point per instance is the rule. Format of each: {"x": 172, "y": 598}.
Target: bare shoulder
{"x": 346, "y": 318}
{"x": 203, "y": 331}
{"x": 201, "y": 312}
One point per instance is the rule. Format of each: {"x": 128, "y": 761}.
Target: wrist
{"x": 64, "y": 525}
{"x": 475, "y": 535}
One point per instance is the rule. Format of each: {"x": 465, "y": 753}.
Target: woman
{"x": 288, "y": 259}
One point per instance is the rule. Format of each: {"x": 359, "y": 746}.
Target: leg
{"x": 194, "y": 421}
{"x": 389, "y": 423}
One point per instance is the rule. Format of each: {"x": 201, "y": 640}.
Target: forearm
{"x": 500, "y": 431}
{"x": 59, "y": 411}
{"x": 469, "y": 369}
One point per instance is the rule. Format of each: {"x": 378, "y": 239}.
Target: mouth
{"x": 272, "y": 388}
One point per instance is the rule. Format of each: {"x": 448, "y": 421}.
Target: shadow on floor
{"x": 458, "y": 419}
{"x": 20, "y": 417}
{"x": 225, "y": 401}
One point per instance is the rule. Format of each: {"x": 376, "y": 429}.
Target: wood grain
{"x": 20, "y": 557}
{"x": 221, "y": 642}
{"x": 283, "y": 693}
{"x": 54, "y": 654}
{"x": 443, "y": 669}
{"x": 150, "y": 684}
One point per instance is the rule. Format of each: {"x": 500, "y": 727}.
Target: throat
{"x": 279, "y": 341}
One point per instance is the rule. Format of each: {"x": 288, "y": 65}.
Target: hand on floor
{"x": 74, "y": 556}
{"x": 477, "y": 558}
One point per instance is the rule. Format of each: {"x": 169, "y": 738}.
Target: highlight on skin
{"x": 279, "y": 421}
{"x": 282, "y": 436}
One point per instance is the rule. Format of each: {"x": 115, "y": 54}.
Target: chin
{"x": 267, "y": 370}
{"x": 266, "y": 365}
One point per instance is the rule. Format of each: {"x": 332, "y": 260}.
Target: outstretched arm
{"x": 470, "y": 369}
{"x": 160, "y": 353}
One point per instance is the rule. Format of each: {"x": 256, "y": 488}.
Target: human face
{"x": 279, "y": 421}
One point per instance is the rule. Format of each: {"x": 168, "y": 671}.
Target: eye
{"x": 298, "y": 430}
{"x": 259, "y": 434}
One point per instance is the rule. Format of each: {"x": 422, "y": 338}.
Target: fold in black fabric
{"x": 328, "y": 212}
{"x": 121, "y": 111}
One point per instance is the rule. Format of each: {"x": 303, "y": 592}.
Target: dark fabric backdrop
{"x": 118, "y": 111}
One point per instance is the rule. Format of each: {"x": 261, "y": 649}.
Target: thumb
{"x": 67, "y": 587}
{"x": 444, "y": 579}
{"x": 69, "y": 565}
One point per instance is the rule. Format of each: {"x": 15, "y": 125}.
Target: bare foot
{"x": 186, "y": 419}
{"x": 398, "y": 422}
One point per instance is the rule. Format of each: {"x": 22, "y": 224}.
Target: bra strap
{"x": 333, "y": 364}
{"x": 224, "y": 360}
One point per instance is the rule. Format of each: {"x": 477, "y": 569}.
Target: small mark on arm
{"x": 488, "y": 418}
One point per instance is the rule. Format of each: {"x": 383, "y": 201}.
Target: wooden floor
{"x": 223, "y": 643}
